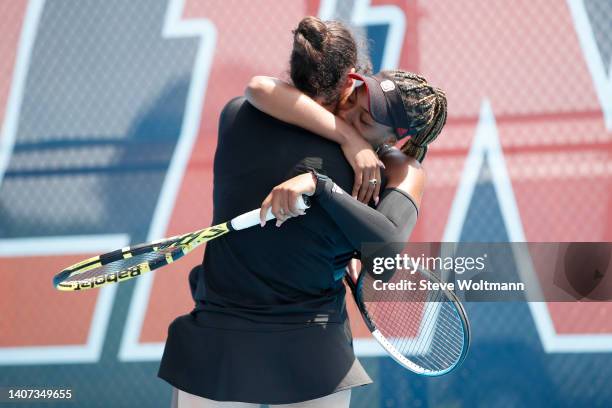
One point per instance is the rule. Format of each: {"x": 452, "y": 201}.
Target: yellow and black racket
{"x": 131, "y": 262}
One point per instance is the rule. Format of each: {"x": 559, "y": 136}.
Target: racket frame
{"x": 389, "y": 348}
{"x": 182, "y": 244}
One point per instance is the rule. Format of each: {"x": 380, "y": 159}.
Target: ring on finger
{"x": 373, "y": 181}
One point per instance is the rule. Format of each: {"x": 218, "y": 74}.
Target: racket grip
{"x": 251, "y": 218}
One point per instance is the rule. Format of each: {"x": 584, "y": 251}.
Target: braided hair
{"x": 425, "y": 106}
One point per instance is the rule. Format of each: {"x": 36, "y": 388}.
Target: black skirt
{"x": 256, "y": 363}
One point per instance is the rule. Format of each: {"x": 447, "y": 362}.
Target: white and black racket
{"x": 425, "y": 331}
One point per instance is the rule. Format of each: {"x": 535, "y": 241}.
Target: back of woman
{"x": 270, "y": 324}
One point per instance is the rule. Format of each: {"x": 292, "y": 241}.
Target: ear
{"x": 350, "y": 82}
{"x": 347, "y": 87}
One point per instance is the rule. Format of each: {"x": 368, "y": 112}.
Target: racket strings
{"x": 423, "y": 326}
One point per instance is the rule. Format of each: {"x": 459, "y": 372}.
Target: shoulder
{"x": 404, "y": 173}
{"x": 232, "y": 107}
{"x": 238, "y": 111}
{"x": 396, "y": 161}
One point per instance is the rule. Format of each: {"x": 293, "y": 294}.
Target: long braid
{"x": 426, "y": 107}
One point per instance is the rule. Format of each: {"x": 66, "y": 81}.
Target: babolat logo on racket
{"x": 111, "y": 278}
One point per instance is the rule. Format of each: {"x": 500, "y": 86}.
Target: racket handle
{"x": 251, "y": 218}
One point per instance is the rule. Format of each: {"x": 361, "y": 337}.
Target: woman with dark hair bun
{"x": 270, "y": 323}
{"x": 323, "y": 55}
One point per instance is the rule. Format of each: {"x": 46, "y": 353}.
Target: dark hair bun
{"x": 310, "y": 33}
{"x": 322, "y": 55}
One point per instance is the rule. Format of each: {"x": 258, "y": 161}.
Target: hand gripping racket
{"x": 131, "y": 262}
{"x": 425, "y": 331}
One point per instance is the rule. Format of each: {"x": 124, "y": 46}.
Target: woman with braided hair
{"x": 379, "y": 111}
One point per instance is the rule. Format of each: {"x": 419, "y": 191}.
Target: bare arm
{"x": 283, "y": 101}
{"x": 286, "y": 103}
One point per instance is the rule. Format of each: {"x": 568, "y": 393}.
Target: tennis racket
{"x": 131, "y": 262}
{"x": 425, "y": 331}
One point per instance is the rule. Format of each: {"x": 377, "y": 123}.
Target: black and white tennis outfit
{"x": 270, "y": 324}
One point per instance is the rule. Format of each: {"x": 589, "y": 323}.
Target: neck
{"x": 332, "y": 108}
